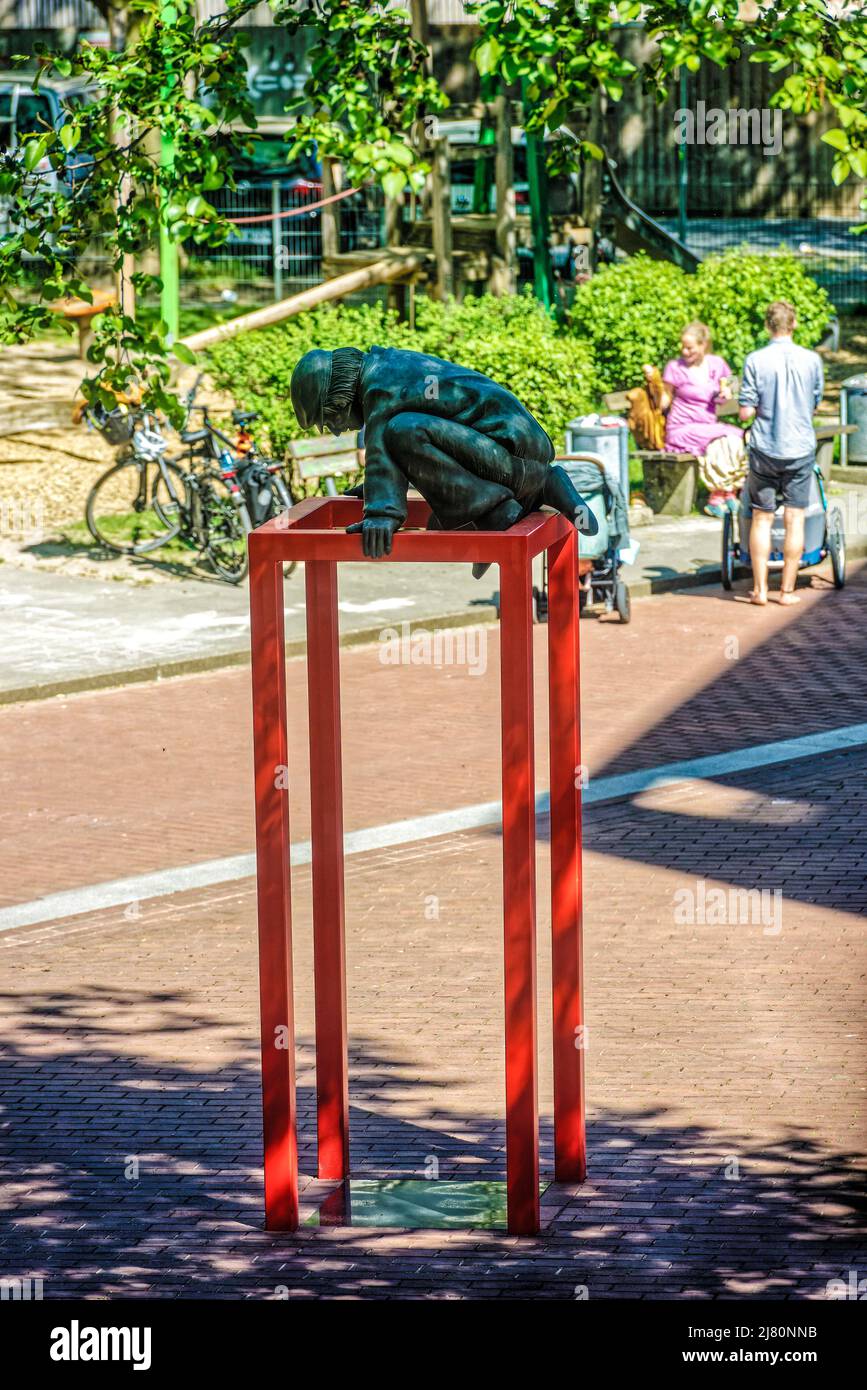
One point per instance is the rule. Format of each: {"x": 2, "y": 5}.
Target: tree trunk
{"x": 121, "y": 26}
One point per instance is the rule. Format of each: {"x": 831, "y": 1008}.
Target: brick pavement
{"x": 726, "y": 1064}
{"x": 151, "y": 777}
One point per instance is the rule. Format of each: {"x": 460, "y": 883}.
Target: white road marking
{"x": 140, "y": 887}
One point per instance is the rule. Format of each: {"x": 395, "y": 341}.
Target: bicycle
{"x": 147, "y": 499}
{"x": 264, "y": 489}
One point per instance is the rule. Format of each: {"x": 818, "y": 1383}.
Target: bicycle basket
{"x": 116, "y": 426}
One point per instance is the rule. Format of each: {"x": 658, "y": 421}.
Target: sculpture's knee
{"x": 402, "y": 433}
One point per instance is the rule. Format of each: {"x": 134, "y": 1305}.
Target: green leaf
{"x": 69, "y": 137}
{"x": 487, "y": 55}
{"x": 400, "y": 154}
{"x": 184, "y": 354}
{"x": 858, "y": 160}
{"x": 34, "y": 150}
{"x": 393, "y": 183}
{"x": 837, "y": 139}
{"x": 840, "y": 169}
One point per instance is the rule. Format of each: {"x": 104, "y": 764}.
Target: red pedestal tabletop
{"x": 314, "y": 531}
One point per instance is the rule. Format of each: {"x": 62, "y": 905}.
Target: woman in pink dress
{"x": 694, "y": 384}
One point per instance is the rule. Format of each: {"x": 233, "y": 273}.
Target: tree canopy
{"x": 370, "y": 82}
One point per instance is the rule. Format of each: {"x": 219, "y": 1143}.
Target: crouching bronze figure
{"x": 476, "y": 455}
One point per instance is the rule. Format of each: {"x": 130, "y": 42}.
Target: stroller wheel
{"x": 836, "y": 542}
{"x": 621, "y": 601}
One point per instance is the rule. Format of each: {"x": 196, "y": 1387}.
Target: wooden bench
{"x": 320, "y": 461}
{"x": 82, "y": 315}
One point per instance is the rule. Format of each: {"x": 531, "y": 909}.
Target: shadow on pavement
{"x": 129, "y": 1174}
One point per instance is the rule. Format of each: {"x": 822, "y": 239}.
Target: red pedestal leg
{"x": 326, "y": 798}
{"x": 275, "y": 924}
{"x": 570, "y": 1156}
{"x": 519, "y": 896}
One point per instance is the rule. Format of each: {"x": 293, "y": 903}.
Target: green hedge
{"x": 511, "y": 340}
{"x": 628, "y": 314}
{"x": 633, "y": 312}
{"x": 733, "y": 290}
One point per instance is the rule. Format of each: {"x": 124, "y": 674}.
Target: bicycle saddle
{"x": 244, "y": 417}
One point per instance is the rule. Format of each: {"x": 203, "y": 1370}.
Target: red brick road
{"x": 95, "y": 787}
{"x": 726, "y": 1062}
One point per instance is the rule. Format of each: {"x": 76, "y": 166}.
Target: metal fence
{"x": 270, "y": 255}
{"x": 826, "y": 246}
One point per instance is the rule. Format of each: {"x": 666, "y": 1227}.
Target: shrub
{"x": 632, "y": 313}
{"x": 733, "y": 290}
{"x": 511, "y": 340}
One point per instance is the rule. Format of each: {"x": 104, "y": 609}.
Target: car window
{"x": 34, "y": 113}
{"x": 5, "y": 120}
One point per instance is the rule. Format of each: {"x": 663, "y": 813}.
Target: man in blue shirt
{"x": 781, "y": 387}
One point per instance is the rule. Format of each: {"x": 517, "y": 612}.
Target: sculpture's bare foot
{"x": 560, "y": 493}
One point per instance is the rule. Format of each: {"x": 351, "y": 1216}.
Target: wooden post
{"x": 591, "y": 176}
{"x": 505, "y": 180}
{"x": 121, "y": 33}
{"x": 396, "y": 297}
{"x": 332, "y": 182}
{"x": 276, "y": 241}
{"x": 441, "y": 218}
{"x": 440, "y": 180}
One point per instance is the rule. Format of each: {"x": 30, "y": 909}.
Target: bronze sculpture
{"x": 472, "y": 450}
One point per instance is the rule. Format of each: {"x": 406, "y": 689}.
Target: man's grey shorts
{"x": 770, "y": 479}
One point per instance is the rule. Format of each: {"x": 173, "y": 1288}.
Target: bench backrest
{"x": 326, "y": 457}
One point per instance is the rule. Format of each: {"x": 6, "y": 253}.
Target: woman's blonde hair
{"x": 699, "y": 331}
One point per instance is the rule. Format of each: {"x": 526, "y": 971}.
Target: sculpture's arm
{"x": 385, "y": 489}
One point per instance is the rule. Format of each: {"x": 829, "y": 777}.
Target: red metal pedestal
{"x": 314, "y": 532}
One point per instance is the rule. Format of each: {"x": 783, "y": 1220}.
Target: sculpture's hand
{"x": 376, "y": 535}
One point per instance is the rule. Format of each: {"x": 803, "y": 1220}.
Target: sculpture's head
{"x": 324, "y": 390}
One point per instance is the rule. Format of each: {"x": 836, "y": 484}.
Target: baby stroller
{"x": 599, "y": 561}
{"x": 823, "y": 536}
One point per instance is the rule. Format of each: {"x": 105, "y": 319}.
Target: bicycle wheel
{"x": 119, "y": 511}
{"x": 225, "y": 524}
{"x": 171, "y": 496}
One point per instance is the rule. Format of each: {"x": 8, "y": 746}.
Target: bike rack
{"x": 314, "y": 531}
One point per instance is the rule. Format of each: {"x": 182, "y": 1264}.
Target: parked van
{"x": 25, "y": 112}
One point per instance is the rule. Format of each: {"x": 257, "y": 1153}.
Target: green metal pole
{"x": 170, "y": 294}
{"x": 537, "y": 187}
{"x": 483, "y": 174}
